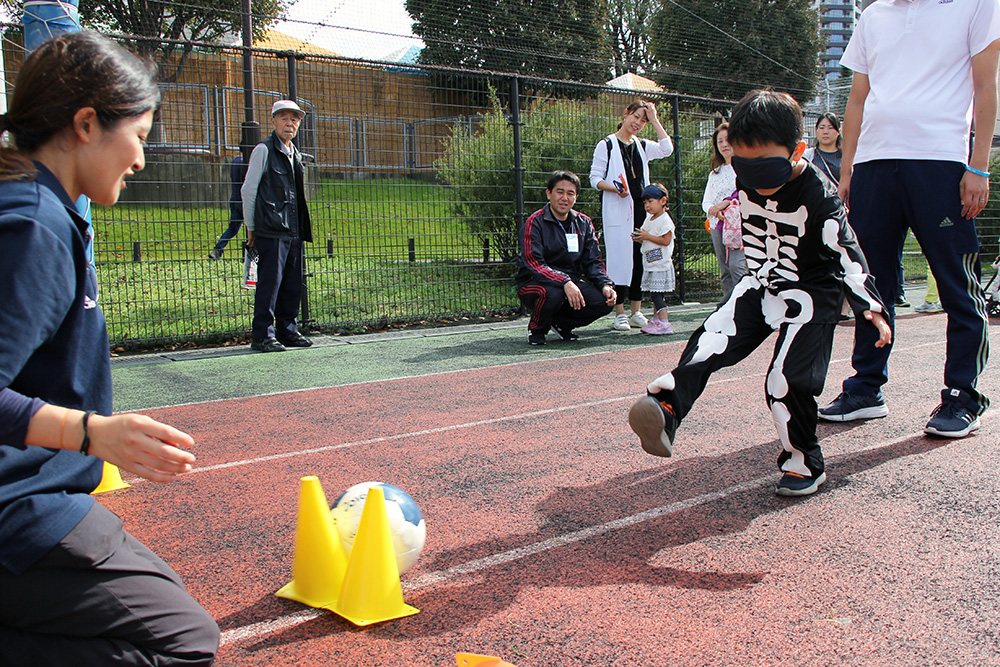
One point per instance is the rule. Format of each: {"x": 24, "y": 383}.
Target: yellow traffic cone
{"x": 473, "y": 660}
{"x": 320, "y": 562}
{"x": 111, "y": 480}
{"x": 372, "y": 592}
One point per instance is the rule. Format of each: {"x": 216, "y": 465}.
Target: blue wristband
{"x": 977, "y": 172}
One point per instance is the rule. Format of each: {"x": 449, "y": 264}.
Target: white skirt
{"x": 658, "y": 281}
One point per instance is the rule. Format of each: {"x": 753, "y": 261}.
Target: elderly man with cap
{"x": 277, "y": 221}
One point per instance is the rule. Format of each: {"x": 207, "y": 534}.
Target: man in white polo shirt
{"x": 922, "y": 70}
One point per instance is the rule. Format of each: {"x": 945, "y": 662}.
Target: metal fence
{"x": 417, "y": 178}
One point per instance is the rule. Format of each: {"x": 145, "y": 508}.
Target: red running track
{"x": 553, "y": 540}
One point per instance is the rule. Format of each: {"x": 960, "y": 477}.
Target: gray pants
{"x": 99, "y": 597}
{"x": 731, "y": 268}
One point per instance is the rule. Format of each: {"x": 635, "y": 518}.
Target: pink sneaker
{"x": 657, "y": 327}
{"x": 654, "y": 326}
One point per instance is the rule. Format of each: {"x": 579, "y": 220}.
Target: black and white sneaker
{"x": 849, "y": 407}
{"x": 564, "y": 333}
{"x": 793, "y": 484}
{"x": 952, "y": 420}
{"x": 536, "y": 338}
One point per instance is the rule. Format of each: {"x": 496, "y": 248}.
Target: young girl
{"x": 657, "y": 247}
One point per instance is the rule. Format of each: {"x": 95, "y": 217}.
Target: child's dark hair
{"x": 563, "y": 175}
{"x": 62, "y": 76}
{"x": 766, "y": 117}
{"x": 831, "y": 118}
{"x": 717, "y": 159}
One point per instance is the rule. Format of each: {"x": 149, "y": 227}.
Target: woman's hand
{"x": 716, "y": 211}
{"x": 141, "y": 445}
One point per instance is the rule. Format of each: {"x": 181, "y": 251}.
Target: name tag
{"x": 573, "y": 242}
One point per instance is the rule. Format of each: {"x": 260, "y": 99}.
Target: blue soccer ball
{"x": 406, "y": 523}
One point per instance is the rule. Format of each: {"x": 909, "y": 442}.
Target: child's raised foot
{"x": 655, "y": 424}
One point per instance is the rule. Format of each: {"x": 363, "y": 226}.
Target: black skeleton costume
{"x": 802, "y": 259}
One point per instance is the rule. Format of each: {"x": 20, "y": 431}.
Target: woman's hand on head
{"x": 141, "y": 445}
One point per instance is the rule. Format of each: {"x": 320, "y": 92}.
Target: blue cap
{"x": 653, "y": 192}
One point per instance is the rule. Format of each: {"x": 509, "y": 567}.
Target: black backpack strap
{"x": 608, "y": 165}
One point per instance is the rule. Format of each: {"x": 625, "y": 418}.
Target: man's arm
{"x": 851, "y": 130}
{"x": 258, "y": 160}
{"x": 975, "y": 189}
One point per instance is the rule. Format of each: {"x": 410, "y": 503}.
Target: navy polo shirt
{"x": 53, "y": 349}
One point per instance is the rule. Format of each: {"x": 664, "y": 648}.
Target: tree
{"x": 557, "y": 39}
{"x": 191, "y": 21}
{"x": 724, "y": 48}
{"x": 626, "y": 24}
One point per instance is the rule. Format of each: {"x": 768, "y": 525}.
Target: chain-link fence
{"x": 417, "y": 179}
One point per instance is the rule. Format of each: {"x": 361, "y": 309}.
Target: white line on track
{"x": 455, "y": 427}
{"x": 429, "y": 580}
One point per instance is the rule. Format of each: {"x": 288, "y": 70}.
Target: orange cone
{"x": 111, "y": 480}
{"x": 320, "y": 562}
{"x": 372, "y": 592}
{"x": 473, "y": 660}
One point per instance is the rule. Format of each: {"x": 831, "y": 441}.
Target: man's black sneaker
{"x": 901, "y": 302}
{"x": 655, "y": 424}
{"x": 952, "y": 420}
{"x": 536, "y": 338}
{"x": 849, "y": 407}
{"x": 295, "y": 340}
{"x": 564, "y": 333}
{"x": 267, "y": 345}
{"x": 794, "y": 484}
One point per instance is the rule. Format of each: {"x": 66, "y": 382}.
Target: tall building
{"x": 837, "y": 19}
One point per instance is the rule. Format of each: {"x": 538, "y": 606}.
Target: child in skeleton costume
{"x": 802, "y": 260}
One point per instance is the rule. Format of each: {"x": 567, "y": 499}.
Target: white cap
{"x": 281, "y": 105}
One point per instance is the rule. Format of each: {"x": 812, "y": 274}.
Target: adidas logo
{"x": 946, "y": 222}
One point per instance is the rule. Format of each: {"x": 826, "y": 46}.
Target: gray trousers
{"x": 732, "y": 265}
{"x": 99, "y": 597}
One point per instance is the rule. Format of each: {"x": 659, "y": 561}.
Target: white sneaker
{"x": 621, "y": 323}
{"x": 638, "y": 319}
{"x": 929, "y": 307}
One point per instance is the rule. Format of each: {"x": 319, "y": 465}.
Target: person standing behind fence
{"x": 277, "y": 220}
{"x": 718, "y": 196}
{"x": 237, "y": 174}
{"x": 76, "y": 588}
{"x": 620, "y": 169}
{"x": 922, "y": 71}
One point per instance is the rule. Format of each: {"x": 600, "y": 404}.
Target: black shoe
{"x": 655, "y": 424}
{"x": 536, "y": 338}
{"x": 295, "y": 340}
{"x": 564, "y": 333}
{"x": 793, "y": 484}
{"x": 267, "y": 345}
{"x": 215, "y": 253}
{"x": 901, "y": 302}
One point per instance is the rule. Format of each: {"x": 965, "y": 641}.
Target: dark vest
{"x": 281, "y": 210}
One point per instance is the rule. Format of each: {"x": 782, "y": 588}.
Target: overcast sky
{"x": 368, "y": 29}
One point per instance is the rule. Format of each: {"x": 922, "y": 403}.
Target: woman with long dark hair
{"x": 76, "y": 588}
{"x": 718, "y": 197}
{"x": 620, "y": 170}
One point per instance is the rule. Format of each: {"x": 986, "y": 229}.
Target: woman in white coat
{"x": 620, "y": 169}
{"x": 721, "y": 185}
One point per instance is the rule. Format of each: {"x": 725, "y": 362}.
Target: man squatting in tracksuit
{"x": 561, "y": 278}
{"x": 802, "y": 259}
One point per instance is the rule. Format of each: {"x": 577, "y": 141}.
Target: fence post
{"x": 411, "y": 245}
{"x": 293, "y": 95}
{"x": 250, "y": 136}
{"x": 136, "y": 251}
{"x": 515, "y": 121}
{"x": 679, "y": 200}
